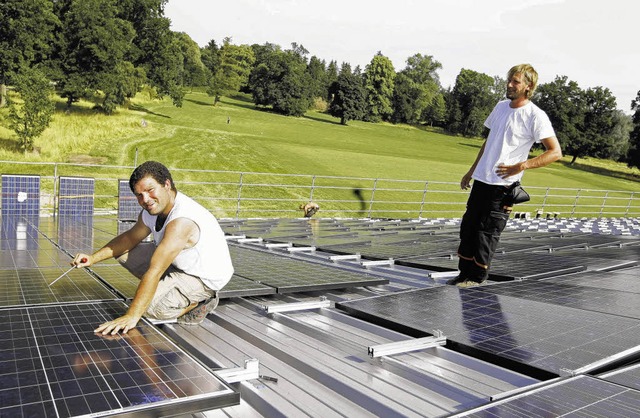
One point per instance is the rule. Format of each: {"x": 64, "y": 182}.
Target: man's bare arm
{"x": 116, "y": 247}
{"x": 466, "y": 179}
{"x": 177, "y": 236}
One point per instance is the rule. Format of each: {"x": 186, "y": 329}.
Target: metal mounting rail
{"x": 389, "y": 262}
{"x": 345, "y": 257}
{"x": 301, "y": 249}
{"x": 249, "y": 240}
{"x": 283, "y": 245}
{"x": 251, "y": 370}
{"x": 388, "y": 349}
{"x": 443, "y": 274}
{"x": 232, "y": 237}
{"x": 298, "y": 306}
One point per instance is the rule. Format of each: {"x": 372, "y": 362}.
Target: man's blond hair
{"x": 530, "y": 76}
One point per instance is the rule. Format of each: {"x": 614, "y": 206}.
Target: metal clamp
{"x": 298, "y": 306}
{"x": 380, "y": 350}
{"x": 239, "y": 374}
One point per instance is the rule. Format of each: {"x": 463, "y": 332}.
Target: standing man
{"x": 186, "y": 265}
{"x": 514, "y": 126}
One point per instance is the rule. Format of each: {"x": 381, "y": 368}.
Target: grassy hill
{"x": 236, "y": 136}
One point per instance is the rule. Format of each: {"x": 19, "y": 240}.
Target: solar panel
{"x": 75, "y": 196}
{"x": 19, "y": 233}
{"x": 587, "y": 298}
{"x": 20, "y": 195}
{"x": 128, "y": 207}
{"x": 622, "y": 280}
{"x": 31, "y": 287}
{"x": 509, "y": 266}
{"x": 627, "y": 376}
{"x": 53, "y": 365}
{"x": 292, "y": 275}
{"x": 239, "y": 286}
{"x": 580, "y": 396}
{"x": 536, "y": 338}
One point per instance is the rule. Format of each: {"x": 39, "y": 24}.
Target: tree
{"x": 234, "y": 63}
{"x": 379, "y": 76}
{"x": 622, "y": 127}
{"x": 563, "y": 101}
{"x": 31, "y": 116}
{"x": 193, "y": 70}
{"x": 94, "y": 49}
{"x": 318, "y": 75}
{"x": 416, "y": 86}
{"x": 599, "y": 122}
{"x": 633, "y": 156}
{"x": 280, "y": 80}
{"x": 26, "y": 35}
{"x": 349, "y": 96}
{"x": 470, "y": 103}
{"x": 436, "y": 113}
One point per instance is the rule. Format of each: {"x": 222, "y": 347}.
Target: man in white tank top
{"x": 514, "y": 126}
{"x": 184, "y": 267}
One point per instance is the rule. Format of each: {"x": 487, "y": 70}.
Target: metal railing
{"x": 236, "y": 194}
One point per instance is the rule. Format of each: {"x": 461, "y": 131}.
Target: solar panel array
{"x": 20, "y": 195}
{"x": 51, "y": 362}
{"x": 54, "y": 365}
{"x": 75, "y": 196}
{"x": 291, "y": 275}
{"x": 536, "y": 337}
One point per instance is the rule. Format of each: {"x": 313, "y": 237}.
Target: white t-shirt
{"x": 512, "y": 134}
{"x": 209, "y": 258}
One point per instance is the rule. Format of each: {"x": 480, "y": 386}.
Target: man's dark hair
{"x": 155, "y": 170}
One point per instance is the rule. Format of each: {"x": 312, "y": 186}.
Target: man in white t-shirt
{"x": 186, "y": 265}
{"x": 514, "y": 126}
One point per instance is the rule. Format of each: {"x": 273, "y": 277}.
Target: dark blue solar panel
{"x": 577, "y": 397}
{"x": 52, "y": 364}
{"x": 128, "y": 207}
{"x": 76, "y": 196}
{"x": 527, "y": 335}
{"x": 20, "y": 195}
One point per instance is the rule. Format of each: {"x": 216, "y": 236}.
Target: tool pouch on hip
{"x": 516, "y": 195}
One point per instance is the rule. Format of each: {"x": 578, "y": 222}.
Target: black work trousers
{"x": 483, "y": 222}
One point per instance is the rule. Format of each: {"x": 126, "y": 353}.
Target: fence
{"x": 235, "y": 194}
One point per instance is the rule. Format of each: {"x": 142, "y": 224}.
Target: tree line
{"x": 110, "y": 50}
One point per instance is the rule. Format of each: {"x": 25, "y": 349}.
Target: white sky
{"x": 593, "y": 42}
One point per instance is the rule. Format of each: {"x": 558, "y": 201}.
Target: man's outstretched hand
{"x": 124, "y": 324}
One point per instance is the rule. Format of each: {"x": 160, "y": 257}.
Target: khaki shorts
{"x": 176, "y": 289}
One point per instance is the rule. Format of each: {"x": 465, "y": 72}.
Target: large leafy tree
{"x": 470, "y": 102}
{"x": 230, "y": 69}
{"x": 633, "y": 156}
{"x": 563, "y": 101}
{"x": 30, "y": 115}
{"x": 318, "y": 75}
{"x": 379, "y": 76}
{"x": 416, "y": 86}
{"x": 96, "y": 43}
{"x": 27, "y": 30}
{"x": 280, "y": 80}
{"x": 155, "y": 47}
{"x": 349, "y": 96}
{"x": 600, "y": 122}
{"x": 193, "y": 69}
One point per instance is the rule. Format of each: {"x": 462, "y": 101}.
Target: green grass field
{"x": 198, "y": 137}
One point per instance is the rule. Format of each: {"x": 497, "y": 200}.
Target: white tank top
{"x": 209, "y": 258}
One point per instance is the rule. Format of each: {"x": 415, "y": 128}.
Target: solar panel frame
{"x": 76, "y": 196}
{"x": 20, "y": 195}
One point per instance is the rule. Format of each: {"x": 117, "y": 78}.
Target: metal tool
{"x": 84, "y": 260}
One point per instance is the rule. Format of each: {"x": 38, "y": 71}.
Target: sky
{"x": 592, "y": 42}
